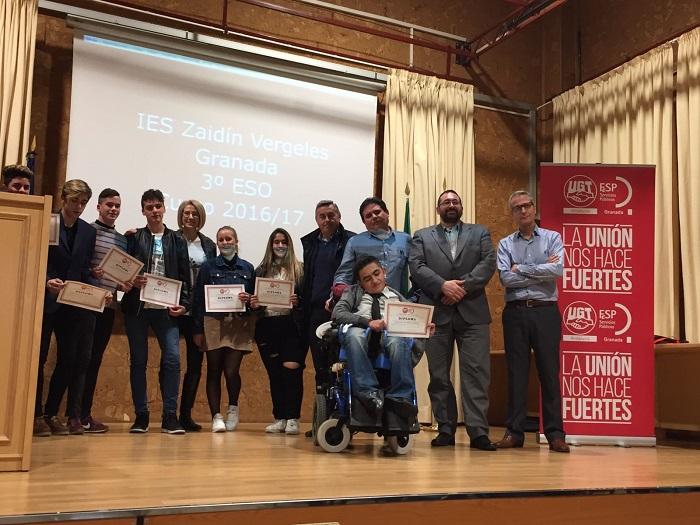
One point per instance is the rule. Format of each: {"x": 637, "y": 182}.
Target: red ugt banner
{"x": 605, "y": 214}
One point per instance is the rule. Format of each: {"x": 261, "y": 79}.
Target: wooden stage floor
{"x": 248, "y": 468}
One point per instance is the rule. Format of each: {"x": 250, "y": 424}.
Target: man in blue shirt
{"x": 388, "y": 246}
{"x": 529, "y": 262}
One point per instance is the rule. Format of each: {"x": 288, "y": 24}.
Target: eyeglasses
{"x": 448, "y": 202}
{"x": 522, "y": 207}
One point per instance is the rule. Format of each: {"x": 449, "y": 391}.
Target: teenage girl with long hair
{"x": 277, "y": 334}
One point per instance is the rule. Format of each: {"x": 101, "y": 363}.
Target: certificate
{"x": 408, "y": 319}
{"x": 120, "y": 266}
{"x": 54, "y": 229}
{"x": 83, "y": 295}
{"x": 223, "y": 298}
{"x": 161, "y": 290}
{"x": 272, "y": 292}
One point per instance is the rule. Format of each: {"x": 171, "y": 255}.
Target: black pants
{"x": 317, "y": 317}
{"x": 278, "y": 341}
{"x": 190, "y": 382}
{"x": 538, "y": 328}
{"x": 104, "y": 322}
{"x": 74, "y": 329}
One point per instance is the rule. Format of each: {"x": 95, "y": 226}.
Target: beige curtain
{"x": 688, "y": 132}
{"x": 17, "y": 35}
{"x": 428, "y": 148}
{"x": 626, "y": 117}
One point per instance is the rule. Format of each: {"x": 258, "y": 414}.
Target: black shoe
{"x": 188, "y": 423}
{"x": 140, "y": 425}
{"x": 373, "y": 402}
{"x": 483, "y": 443}
{"x": 171, "y": 425}
{"x": 443, "y": 440}
{"x": 309, "y": 433}
{"x": 403, "y": 408}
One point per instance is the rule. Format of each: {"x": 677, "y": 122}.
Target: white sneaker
{"x": 277, "y": 427}
{"x": 232, "y": 418}
{"x": 292, "y": 426}
{"x": 217, "y": 424}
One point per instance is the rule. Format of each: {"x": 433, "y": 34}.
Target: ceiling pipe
{"x": 507, "y": 27}
{"x": 194, "y": 24}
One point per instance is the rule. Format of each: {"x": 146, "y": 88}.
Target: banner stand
{"x": 605, "y": 214}
{"x": 618, "y": 441}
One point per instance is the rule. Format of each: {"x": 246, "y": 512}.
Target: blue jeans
{"x": 364, "y": 380}
{"x": 165, "y": 328}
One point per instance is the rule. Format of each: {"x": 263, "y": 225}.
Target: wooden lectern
{"x": 24, "y": 238}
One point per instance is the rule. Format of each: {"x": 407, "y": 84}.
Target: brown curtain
{"x": 18, "y": 20}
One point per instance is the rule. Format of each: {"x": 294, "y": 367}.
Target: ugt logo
{"x": 579, "y": 318}
{"x": 580, "y": 191}
{"x": 407, "y": 310}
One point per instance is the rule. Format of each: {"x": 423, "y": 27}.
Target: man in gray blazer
{"x": 450, "y": 264}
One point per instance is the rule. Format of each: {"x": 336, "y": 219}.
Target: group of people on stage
{"x": 450, "y": 264}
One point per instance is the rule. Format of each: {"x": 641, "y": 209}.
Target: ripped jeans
{"x": 279, "y": 342}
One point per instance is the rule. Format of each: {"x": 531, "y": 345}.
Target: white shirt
{"x": 365, "y": 307}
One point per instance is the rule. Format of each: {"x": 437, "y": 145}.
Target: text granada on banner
{"x": 605, "y": 215}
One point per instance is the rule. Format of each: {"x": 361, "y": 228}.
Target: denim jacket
{"x": 219, "y": 271}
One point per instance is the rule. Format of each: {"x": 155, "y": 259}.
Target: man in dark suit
{"x": 450, "y": 264}
{"x": 74, "y": 327}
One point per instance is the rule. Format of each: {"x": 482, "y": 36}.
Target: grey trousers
{"x": 474, "y": 370}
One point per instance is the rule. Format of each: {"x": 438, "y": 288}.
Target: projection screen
{"x": 258, "y": 150}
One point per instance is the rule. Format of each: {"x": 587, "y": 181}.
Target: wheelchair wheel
{"x": 320, "y": 415}
{"x": 331, "y": 438}
{"x": 400, "y": 444}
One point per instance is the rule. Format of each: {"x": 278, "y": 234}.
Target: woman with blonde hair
{"x": 200, "y": 248}
{"x": 278, "y": 335}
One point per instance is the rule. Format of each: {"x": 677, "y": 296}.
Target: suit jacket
{"x": 431, "y": 264}
{"x": 70, "y": 265}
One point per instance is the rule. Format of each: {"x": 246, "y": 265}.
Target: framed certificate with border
{"x": 223, "y": 298}
{"x": 273, "y": 292}
{"x": 81, "y": 295}
{"x": 161, "y": 290}
{"x": 405, "y": 319}
{"x": 119, "y": 265}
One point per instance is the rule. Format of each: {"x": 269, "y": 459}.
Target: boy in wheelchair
{"x": 385, "y": 403}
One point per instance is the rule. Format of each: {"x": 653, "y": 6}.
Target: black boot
{"x": 188, "y": 423}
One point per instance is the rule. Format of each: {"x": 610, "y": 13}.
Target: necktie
{"x": 375, "y": 338}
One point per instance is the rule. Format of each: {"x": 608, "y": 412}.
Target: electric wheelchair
{"x": 338, "y": 414}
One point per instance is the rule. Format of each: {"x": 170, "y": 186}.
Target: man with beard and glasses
{"x": 451, "y": 263}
